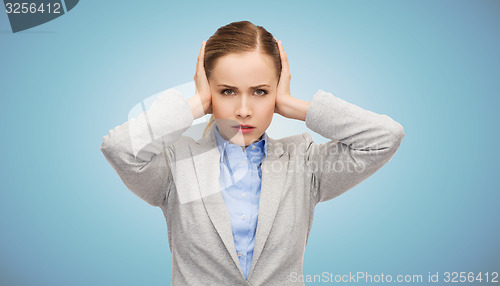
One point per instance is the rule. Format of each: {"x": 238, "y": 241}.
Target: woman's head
{"x": 243, "y": 66}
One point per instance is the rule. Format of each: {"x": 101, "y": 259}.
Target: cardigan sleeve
{"x": 361, "y": 143}
{"x": 139, "y": 149}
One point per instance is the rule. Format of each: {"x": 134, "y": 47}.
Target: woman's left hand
{"x": 286, "y": 105}
{"x": 283, "y": 91}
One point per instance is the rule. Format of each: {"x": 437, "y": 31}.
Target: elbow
{"x": 108, "y": 148}
{"x": 399, "y": 132}
{"x": 397, "y": 135}
{"x": 104, "y": 145}
{"x": 396, "y": 130}
{"x": 393, "y": 136}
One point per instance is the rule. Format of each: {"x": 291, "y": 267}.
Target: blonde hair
{"x": 209, "y": 126}
{"x": 239, "y": 37}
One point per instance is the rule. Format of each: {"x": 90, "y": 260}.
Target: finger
{"x": 202, "y": 53}
{"x": 284, "y": 59}
{"x": 202, "y": 49}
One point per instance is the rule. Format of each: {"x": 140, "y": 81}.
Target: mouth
{"x": 244, "y": 128}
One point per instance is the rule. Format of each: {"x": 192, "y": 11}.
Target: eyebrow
{"x": 253, "y": 87}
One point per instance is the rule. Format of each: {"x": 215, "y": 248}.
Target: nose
{"x": 244, "y": 108}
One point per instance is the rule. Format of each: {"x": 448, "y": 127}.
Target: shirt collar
{"x": 223, "y": 143}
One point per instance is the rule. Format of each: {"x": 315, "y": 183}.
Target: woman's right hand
{"x": 201, "y": 102}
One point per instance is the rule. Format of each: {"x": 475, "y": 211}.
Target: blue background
{"x": 67, "y": 219}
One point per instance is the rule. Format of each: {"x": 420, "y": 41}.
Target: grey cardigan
{"x": 180, "y": 175}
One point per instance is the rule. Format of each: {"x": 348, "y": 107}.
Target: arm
{"x": 138, "y": 150}
{"x": 362, "y": 142}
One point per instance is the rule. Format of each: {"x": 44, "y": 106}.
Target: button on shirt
{"x": 240, "y": 182}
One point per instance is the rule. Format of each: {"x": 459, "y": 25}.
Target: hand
{"x": 201, "y": 102}
{"x": 286, "y": 105}
{"x": 283, "y": 90}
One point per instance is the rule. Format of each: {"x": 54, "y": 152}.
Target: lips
{"x": 243, "y": 126}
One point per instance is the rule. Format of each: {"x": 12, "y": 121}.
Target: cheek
{"x": 220, "y": 108}
{"x": 266, "y": 111}
{"x": 270, "y": 103}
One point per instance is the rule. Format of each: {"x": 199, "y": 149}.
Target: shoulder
{"x": 294, "y": 139}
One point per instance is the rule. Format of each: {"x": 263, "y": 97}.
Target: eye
{"x": 227, "y": 92}
{"x": 261, "y": 92}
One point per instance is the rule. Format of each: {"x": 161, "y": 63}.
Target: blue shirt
{"x": 240, "y": 182}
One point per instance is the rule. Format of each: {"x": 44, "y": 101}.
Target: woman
{"x": 239, "y": 204}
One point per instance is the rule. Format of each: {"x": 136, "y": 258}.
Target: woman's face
{"x": 243, "y": 88}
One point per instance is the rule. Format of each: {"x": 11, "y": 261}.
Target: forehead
{"x": 245, "y": 69}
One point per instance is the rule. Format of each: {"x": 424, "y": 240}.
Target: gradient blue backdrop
{"x": 67, "y": 219}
